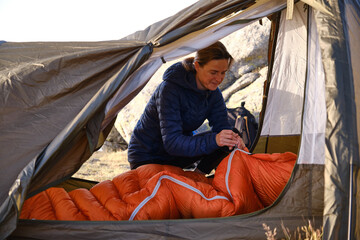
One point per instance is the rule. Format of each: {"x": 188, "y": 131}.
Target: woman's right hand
{"x": 230, "y": 139}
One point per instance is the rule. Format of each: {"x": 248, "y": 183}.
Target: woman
{"x": 187, "y": 97}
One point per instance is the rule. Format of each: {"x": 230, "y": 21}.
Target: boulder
{"x": 114, "y": 142}
{"x": 252, "y": 95}
{"x": 240, "y": 84}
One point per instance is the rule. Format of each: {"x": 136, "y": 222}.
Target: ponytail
{"x": 188, "y": 64}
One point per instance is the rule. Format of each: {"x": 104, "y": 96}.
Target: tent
{"x": 59, "y": 102}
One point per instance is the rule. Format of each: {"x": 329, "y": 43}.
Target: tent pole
{"x": 350, "y": 201}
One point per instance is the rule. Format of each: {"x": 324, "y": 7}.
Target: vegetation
{"x": 306, "y": 232}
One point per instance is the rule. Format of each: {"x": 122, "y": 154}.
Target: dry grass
{"x": 306, "y": 232}
{"x": 104, "y": 166}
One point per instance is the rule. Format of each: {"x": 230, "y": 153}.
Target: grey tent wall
{"x": 87, "y": 123}
{"x": 352, "y": 31}
{"x": 73, "y": 142}
{"x": 342, "y": 146}
{"x": 38, "y": 101}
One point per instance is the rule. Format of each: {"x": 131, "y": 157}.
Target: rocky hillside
{"x": 244, "y": 81}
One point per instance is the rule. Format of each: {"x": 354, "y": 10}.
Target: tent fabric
{"x": 352, "y": 29}
{"x": 38, "y": 101}
{"x": 314, "y": 114}
{"x": 59, "y": 99}
{"x": 341, "y": 135}
{"x": 287, "y": 80}
{"x": 242, "y": 183}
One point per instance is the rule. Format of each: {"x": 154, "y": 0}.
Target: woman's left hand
{"x": 241, "y": 145}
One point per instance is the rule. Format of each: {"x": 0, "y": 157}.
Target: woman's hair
{"x": 215, "y": 51}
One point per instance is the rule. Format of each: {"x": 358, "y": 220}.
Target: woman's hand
{"x": 230, "y": 139}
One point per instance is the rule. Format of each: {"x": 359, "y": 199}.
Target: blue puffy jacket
{"x": 175, "y": 110}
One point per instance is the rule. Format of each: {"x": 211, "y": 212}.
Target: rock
{"x": 240, "y": 84}
{"x": 251, "y": 95}
{"x": 249, "y": 47}
{"x": 114, "y": 142}
{"x": 228, "y": 80}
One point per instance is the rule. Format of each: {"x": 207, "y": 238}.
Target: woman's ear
{"x": 196, "y": 65}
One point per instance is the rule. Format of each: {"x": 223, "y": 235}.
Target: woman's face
{"x": 209, "y": 76}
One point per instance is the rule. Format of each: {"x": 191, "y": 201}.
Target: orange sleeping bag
{"x": 242, "y": 183}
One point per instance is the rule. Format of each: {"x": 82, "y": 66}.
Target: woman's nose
{"x": 219, "y": 78}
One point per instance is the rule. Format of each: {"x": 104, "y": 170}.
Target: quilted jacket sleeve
{"x": 218, "y": 115}
{"x": 171, "y": 127}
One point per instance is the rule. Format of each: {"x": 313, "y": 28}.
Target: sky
{"x": 81, "y": 20}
